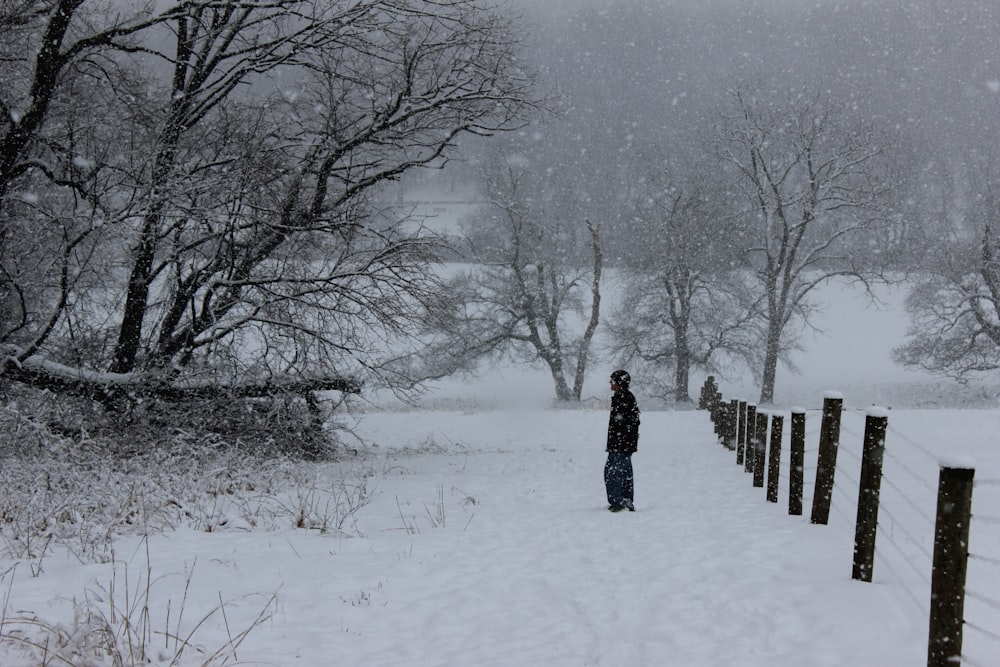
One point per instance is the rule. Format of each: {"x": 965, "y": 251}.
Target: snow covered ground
{"x": 484, "y": 540}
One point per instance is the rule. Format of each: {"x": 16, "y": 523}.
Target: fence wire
{"x": 906, "y": 498}
{"x": 849, "y": 431}
{"x": 916, "y": 445}
{"x": 986, "y": 518}
{"x": 966, "y": 660}
{"x": 889, "y": 550}
{"x": 983, "y": 631}
{"x": 900, "y": 526}
{"x": 896, "y": 524}
{"x": 855, "y": 456}
{"x": 898, "y": 541}
{"x": 923, "y": 607}
{"x": 906, "y": 467}
{"x": 985, "y": 559}
{"x": 985, "y": 599}
{"x": 839, "y": 511}
{"x": 921, "y": 571}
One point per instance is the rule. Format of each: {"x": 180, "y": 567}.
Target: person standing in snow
{"x": 623, "y": 441}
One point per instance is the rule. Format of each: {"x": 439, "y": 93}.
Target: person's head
{"x": 620, "y": 380}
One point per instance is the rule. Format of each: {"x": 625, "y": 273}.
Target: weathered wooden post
{"x": 724, "y": 424}
{"x": 719, "y": 410}
{"x": 719, "y": 417}
{"x": 797, "y": 461}
{"x": 708, "y": 392}
{"x": 751, "y": 437}
{"x": 774, "y": 457}
{"x": 741, "y": 433}
{"x": 760, "y": 449}
{"x": 951, "y": 556}
{"x": 869, "y": 489}
{"x": 826, "y": 466}
{"x": 734, "y": 417}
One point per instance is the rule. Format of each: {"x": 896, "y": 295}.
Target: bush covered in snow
{"x": 80, "y": 492}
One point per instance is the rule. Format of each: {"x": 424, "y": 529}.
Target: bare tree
{"x": 222, "y": 229}
{"x": 811, "y": 179}
{"x": 683, "y": 304}
{"x": 532, "y": 286}
{"x": 955, "y": 301}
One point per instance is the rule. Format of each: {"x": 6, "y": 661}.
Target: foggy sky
{"x": 639, "y": 73}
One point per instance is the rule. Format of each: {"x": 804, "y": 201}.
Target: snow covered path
{"x": 538, "y": 572}
{"x": 488, "y": 543}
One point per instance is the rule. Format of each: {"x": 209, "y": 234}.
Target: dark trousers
{"x": 618, "y": 478}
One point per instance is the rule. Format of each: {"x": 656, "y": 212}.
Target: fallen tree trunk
{"x": 43, "y": 373}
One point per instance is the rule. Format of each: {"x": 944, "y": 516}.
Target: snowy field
{"x": 484, "y": 539}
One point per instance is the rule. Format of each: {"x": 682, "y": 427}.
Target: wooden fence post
{"x": 869, "y": 489}
{"x": 751, "y": 436}
{"x": 797, "y": 461}
{"x": 741, "y": 433}
{"x": 826, "y": 466}
{"x": 774, "y": 457}
{"x": 719, "y": 418}
{"x": 708, "y": 392}
{"x": 734, "y": 416}
{"x": 760, "y": 449}
{"x": 951, "y": 556}
{"x": 712, "y": 405}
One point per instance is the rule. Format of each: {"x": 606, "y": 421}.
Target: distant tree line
{"x": 719, "y": 255}
{"x": 720, "y": 250}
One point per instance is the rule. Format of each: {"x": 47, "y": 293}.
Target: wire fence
{"x": 906, "y": 503}
{"x": 915, "y": 460}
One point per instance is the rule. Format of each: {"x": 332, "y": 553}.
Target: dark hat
{"x": 621, "y": 378}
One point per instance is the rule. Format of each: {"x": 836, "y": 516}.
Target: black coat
{"x": 623, "y": 427}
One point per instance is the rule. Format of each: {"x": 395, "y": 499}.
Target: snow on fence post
{"x": 760, "y": 449}
{"x": 751, "y": 437}
{"x": 826, "y": 466}
{"x": 869, "y": 489}
{"x": 951, "y": 556}
{"x": 741, "y": 432}
{"x": 797, "y": 461}
{"x": 774, "y": 458}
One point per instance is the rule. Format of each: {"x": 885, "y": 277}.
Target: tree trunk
{"x": 49, "y": 63}
{"x": 136, "y": 298}
{"x": 36, "y": 371}
{"x": 595, "y": 312}
{"x": 682, "y": 378}
{"x": 137, "y": 293}
{"x": 682, "y": 366}
{"x": 678, "y": 286}
{"x": 773, "y": 347}
{"x": 559, "y": 377}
